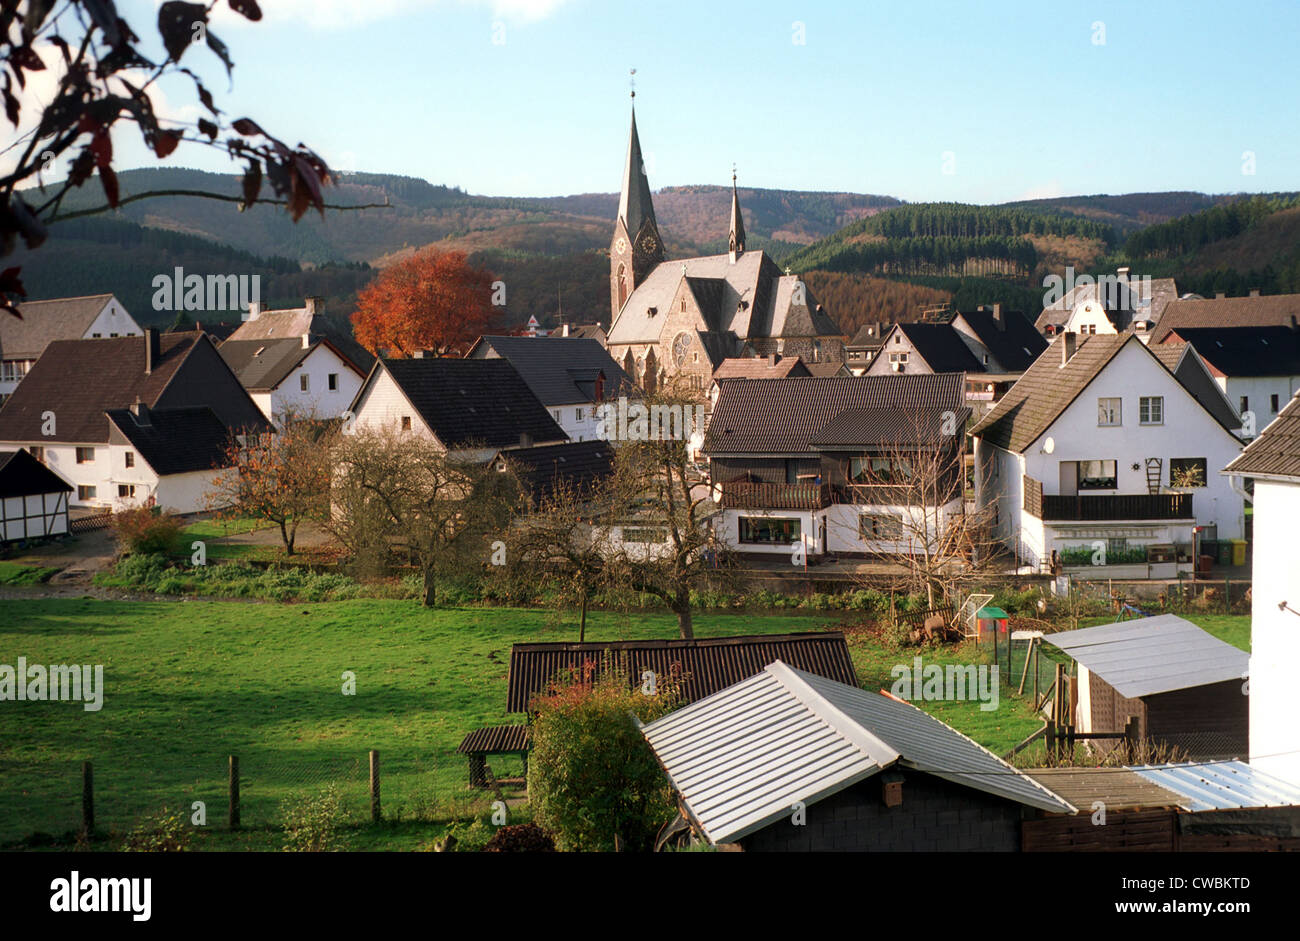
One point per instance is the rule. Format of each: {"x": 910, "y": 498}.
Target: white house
{"x": 33, "y": 499}
{"x": 99, "y": 316}
{"x": 1105, "y": 304}
{"x": 1256, "y": 367}
{"x": 1272, "y": 461}
{"x": 1100, "y": 455}
{"x": 301, "y": 376}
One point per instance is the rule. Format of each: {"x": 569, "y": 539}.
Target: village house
{"x": 862, "y": 349}
{"x": 828, "y": 466}
{"x": 475, "y": 408}
{"x": 22, "y": 341}
{"x": 302, "y": 377}
{"x": 755, "y": 367}
{"x": 685, "y": 316}
{"x": 1108, "y": 304}
{"x": 1101, "y": 455}
{"x": 1220, "y": 311}
{"x": 33, "y": 499}
{"x": 145, "y": 418}
{"x": 570, "y": 376}
{"x": 1258, "y": 368}
{"x": 1271, "y": 465}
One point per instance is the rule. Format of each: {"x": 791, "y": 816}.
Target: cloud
{"x": 1049, "y": 190}
{"x": 344, "y": 14}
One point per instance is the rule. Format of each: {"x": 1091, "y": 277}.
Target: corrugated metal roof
{"x": 1223, "y": 785}
{"x": 1153, "y": 655}
{"x": 707, "y": 665}
{"x": 741, "y": 757}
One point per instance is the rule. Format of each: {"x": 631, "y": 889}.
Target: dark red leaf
{"x": 101, "y": 145}
{"x": 252, "y": 183}
{"x": 247, "y": 8}
{"x": 109, "y": 180}
{"x": 26, "y": 57}
{"x": 176, "y": 22}
{"x": 247, "y": 127}
{"x": 219, "y": 47}
{"x": 11, "y": 106}
{"x": 165, "y": 142}
{"x": 208, "y": 128}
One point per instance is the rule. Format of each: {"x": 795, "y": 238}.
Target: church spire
{"x": 634, "y": 204}
{"x": 636, "y": 248}
{"x": 736, "y": 233}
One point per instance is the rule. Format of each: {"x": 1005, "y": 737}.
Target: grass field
{"x": 18, "y": 573}
{"x": 188, "y": 683}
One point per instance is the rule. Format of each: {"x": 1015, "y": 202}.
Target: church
{"x": 678, "y": 320}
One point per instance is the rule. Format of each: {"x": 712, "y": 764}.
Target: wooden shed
{"x": 33, "y": 499}
{"x": 1186, "y": 688}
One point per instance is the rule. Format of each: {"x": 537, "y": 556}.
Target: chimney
{"x": 140, "y": 411}
{"x": 525, "y": 440}
{"x": 418, "y": 354}
{"x": 1067, "y": 346}
{"x": 254, "y": 310}
{"x": 306, "y": 341}
{"x": 1122, "y": 274}
{"x": 151, "y": 350}
{"x": 999, "y": 318}
{"x": 315, "y": 305}
{"x": 1254, "y": 292}
{"x": 1220, "y": 296}
{"x": 564, "y": 330}
{"x": 772, "y": 359}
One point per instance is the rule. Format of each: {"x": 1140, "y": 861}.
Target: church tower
{"x": 736, "y": 231}
{"x": 636, "y": 247}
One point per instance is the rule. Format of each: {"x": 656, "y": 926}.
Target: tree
{"x": 654, "y": 488}
{"x": 434, "y": 300}
{"x": 107, "y": 81}
{"x": 403, "y": 492}
{"x": 282, "y": 478}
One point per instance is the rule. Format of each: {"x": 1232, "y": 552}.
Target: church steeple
{"x": 736, "y": 232}
{"x": 636, "y": 247}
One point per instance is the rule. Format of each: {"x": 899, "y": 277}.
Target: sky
{"x": 922, "y": 100}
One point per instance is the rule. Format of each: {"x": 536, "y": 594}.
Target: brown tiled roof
{"x": 760, "y": 367}
{"x": 828, "y": 370}
{"x": 867, "y": 427}
{"x": 781, "y": 416}
{"x": 1118, "y": 788}
{"x": 1276, "y": 452}
{"x": 43, "y": 322}
{"x": 708, "y": 665}
{"x": 1274, "y": 310}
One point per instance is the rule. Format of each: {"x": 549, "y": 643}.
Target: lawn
{"x": 16, "y": 573}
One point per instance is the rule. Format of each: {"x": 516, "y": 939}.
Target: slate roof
{"x": 1276, "y": 452}
{"x": 1015, "y": 346}
{"x": 869, "y": 336}
{"x": 1047, "y": 389}
{"x": 579, "y": 465}
{"x": 1274, "y": 310}
{"x": 558, "y": 370}
{"x": 261, "y": 365}
{"x": 635, "y": 206}
{"x": 828, "y": 370}
{"x": 760, "y": 367}
{"x": 43, "y": 322}
{"x": 21, "y": 475}
{"x": 782, "y": 416}
{"x": 707, "y": 665}
{"x": 218, "y": 330}
{"x": 471, "y": 401}
{"x": 79, "y": 379}
{"x": 1244, "y": 351}
{"x": 740, "y": 758}
{"x": 941, "y": 346}
{"x": 304, "y": 321}
{"x": 174, "y": 440}
{"x": 883, "y": 427}
{"x": 1153, "y": 655}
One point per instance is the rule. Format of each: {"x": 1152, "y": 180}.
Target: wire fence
{"x": 46, "y": 798}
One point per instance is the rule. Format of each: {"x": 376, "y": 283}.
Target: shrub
{"x": 520, "y": 838}
{"x": 312, "y": 823}
{"x": 167, "y": 831}
{"x": 593, "y": 780}
{"x": 146, "y": 529}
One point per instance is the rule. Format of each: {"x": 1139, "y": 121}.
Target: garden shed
{"x": 1186, "y": 688}
{"x": 33, "y": 499}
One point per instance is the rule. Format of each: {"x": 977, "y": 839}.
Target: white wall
{"x": 578, "y": 420}
{"x": 383, "y": 405}
{"x": 1258, "y": 390}
{"x": 844, "y": 534}
{"x": 318, "y": 401}
{"x": 34, "y": 516}
{"x": 1275, "y": 633}
{"x": 113, "y": 321}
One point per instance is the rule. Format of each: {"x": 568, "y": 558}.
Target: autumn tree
{"x": 283, "y": 478}
{"x": 434, "y": 300}
{"x": 105, "y": 81}
{"x": 404, "y": 493}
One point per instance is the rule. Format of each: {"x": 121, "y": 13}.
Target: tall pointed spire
{"x": 636, "y": 248}
{"x": 736, "y": 232}
{"x": 634, "y": 204}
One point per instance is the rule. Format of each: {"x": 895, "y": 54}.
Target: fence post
{"x": 1131, "y": 737}
{"x": 375, "y": 814}
{"x": 1227, "y": 596}
{"x": 87, "y": 797}
{"x": 234, "y": 792}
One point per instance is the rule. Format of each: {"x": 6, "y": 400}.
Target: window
{"x": 1151, "y": 410}
{"x": 1108, "y": 412}
{"x": 85, "y": 493}
{"x": 126, "y": 490}
{"x": 332, "y": 382}
{"x": 37, "y": 452}
{"x": 1245, "y": 404}
{"x": 13, "y": 370}
{"x": 1273, "y": 403}
{"x": 304, "y": 382}
{"x": 1097, "y": 475}
{"x": 764, "y": 530}
{"x": 130, "y": 458}
{"x": 898, "y": 357}
{"x": 85, "y": 455}
{"x": 879, "y": 526}
{"x": 96, "y": 336}
{"x": 406, "y": 422}
{"x": 879, "y": 470}
{"x": 577, "y": 414}
{"x": 683, "y": 303}
{"x": 1187, "y": 472}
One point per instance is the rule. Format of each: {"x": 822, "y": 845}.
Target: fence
{"x": 57, "y": 798}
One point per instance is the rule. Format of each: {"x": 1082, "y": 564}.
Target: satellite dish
{"x": 1049, "y": 445}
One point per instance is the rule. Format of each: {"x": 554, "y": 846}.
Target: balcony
{"x": 764, "y": 496}
{"x": 1116, "y": 507}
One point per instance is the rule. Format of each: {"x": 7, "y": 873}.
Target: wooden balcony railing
{"x": 764, "y": 496}
{"x": 1118, "y": 506}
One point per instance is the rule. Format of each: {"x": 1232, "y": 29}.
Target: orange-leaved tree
{"x": 434, "y": 300}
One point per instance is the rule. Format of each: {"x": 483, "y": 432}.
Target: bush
{"x": 146, "y": 529}
{"x": 312, "y": 823}
{"x": 165, "y": 832}
{"x": 520, "y": 838}
{"x": 593, "y": 780}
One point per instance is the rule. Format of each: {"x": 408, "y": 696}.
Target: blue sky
{"x": 1016, "y": 99}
